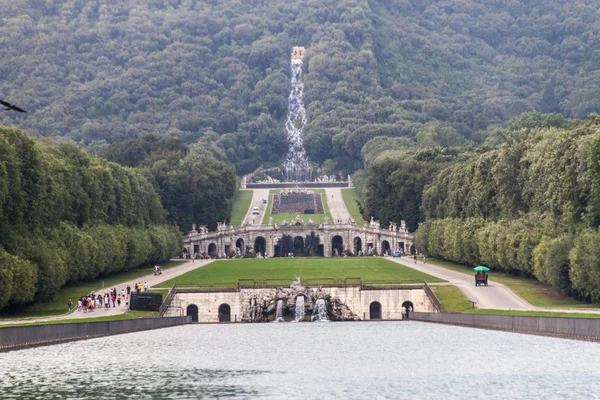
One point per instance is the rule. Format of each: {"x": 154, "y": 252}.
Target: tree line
{"x": 196, "y": 184}
{"x": 530, "y": 207}
{"x": 66, "y": 216}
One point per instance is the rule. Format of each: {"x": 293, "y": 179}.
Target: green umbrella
{"x": 481, "y": 268}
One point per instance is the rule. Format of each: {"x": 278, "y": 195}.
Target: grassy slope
{"x": 128, "y": 315}
{"x": 350, "y": 197}
{"x": 241, "y": 204}
{"x": 451, "y": 299}
{"x": 59, "y": 305}
{"x": 230, "y": 272}
{"x": 532, "y": 313}
{"x": 279, "y": 218}
{"x": 536, "y": 293}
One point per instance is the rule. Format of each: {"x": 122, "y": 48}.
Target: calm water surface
{"x": 409, "y": 360}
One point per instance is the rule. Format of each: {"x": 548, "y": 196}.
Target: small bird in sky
{"x": 12, "y": 107}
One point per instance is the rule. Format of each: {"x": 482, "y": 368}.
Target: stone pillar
{"x": 270, "y": 246}
{"x": 326, "y": 244}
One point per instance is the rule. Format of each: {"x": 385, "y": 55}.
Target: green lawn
{"x": 241, "y": 204}
{"x": 279, "y": 218}
{"x": 536, "y": 293}
{"x": 350, "y": 197}
{"x": 231, "y": 271}
{"x": 59, "y": 305}
{"x": 451, "y": 298}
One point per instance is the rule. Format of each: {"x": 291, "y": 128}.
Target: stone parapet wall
{"x": 15, "y": 337}
{"x": 577, "y": 328}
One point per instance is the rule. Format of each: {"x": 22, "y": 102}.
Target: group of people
{"x": 112, "y": 299}
{"x": 406, "y": 312}
{"x": 93, "y": 301}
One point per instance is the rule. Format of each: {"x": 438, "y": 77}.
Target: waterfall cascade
{"x": 296, "y": 167}
{"x": 320, "y": 312}
{"x": 299, "y": 308}
{"x": 279, "y": 314}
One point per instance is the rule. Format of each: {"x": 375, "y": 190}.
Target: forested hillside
{"x": 435, "y": 72}
{"x": 66, "y": 216}
{"x": 530, "y": 207}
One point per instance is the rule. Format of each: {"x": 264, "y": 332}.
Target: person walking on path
{"x": 70, "y": 304}
{"x": 423, "y": 258}
{"x": 415, "y": 258}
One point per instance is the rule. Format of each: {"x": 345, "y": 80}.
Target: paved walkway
{"x": 495, "y": 296}
{"x": 150, "y": 279}
{"x": 257, "y": 201}
{"x": 336, "y": 204}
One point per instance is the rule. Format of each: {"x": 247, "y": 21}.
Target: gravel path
{"x": 337, "y": 207}
{"x": 257, "y": 201}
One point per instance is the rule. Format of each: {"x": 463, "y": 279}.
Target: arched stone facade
{"x": 370, "y": 235}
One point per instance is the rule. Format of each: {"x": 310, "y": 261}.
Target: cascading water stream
{"x": 279, "y": 314}
{"x": 296, "y": 167}
{"x": 299, "y": 308}
{"x": 320, "y": 312}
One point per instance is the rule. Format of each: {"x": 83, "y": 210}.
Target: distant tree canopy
{"x": 437, "y": 72}
{"x": 195, "y": 187}
{"x": 67, "y": 216}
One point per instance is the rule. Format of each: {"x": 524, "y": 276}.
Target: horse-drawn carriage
{"x": 481, "y": 276}
{"x": 481, "y": 279}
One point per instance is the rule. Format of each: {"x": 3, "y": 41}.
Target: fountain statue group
{"x": 294, "y": 304}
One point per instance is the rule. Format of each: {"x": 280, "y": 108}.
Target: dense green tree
{"x": 194, "y": 185}
{"x": 66, "y": 216}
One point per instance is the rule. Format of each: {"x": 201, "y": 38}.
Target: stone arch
{"x": 408, "y": 305}
{"x": 212, "y": 250}
{"x": 192, "y": 310}
{"x": 357, "y": 244}
{"x": 375, "y": 310}
{"x": 401, "y": 247}
{"x": 337, "y": 242}
{"x": 385, "y": 247}
{"x": 224, "y": 313}
{"x": 284, "y": 246}
{"x": 298, "y": 246}
{"x": 240, "y": 244}
{"x": 413, "y": 250}
{"x": 260, "y": 245}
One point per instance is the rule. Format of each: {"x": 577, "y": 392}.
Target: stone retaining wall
{"x": 283, "y": 185}
{"x": 356, "y": 299}
{"x": 577, "y": 328}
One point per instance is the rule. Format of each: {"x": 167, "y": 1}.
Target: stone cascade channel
{"x": 296, "y": 167}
